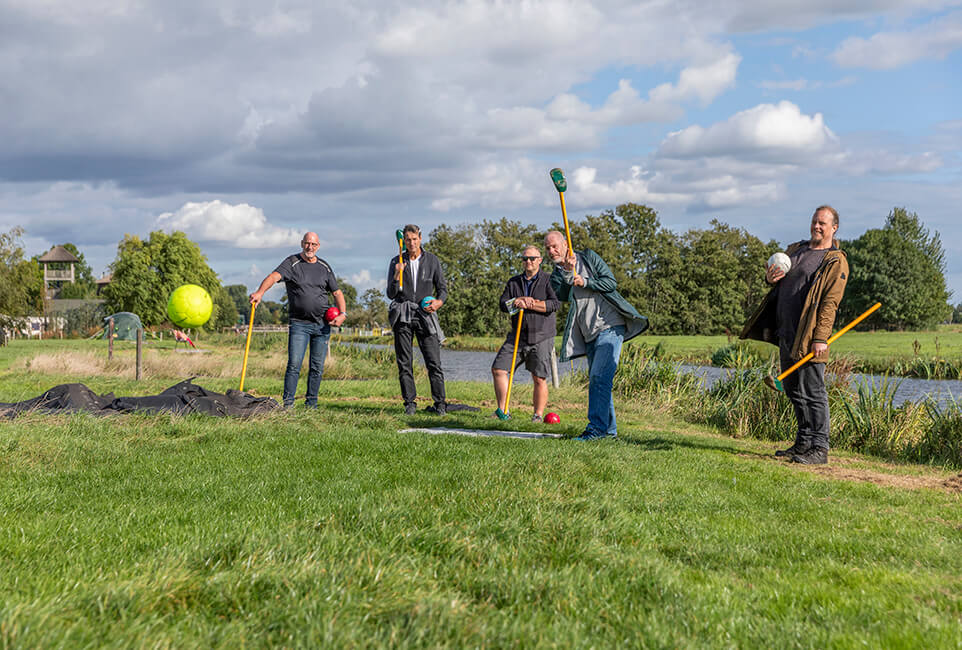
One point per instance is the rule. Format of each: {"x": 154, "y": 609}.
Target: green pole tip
{"x": 558, "y": 178}
{"x": 399, "y": 234}
{"x": 502, "y": 415}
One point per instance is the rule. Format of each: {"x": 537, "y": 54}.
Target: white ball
{"x": 780, "y": 261}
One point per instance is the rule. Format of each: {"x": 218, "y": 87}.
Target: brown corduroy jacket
{"x": 818, "y": 312}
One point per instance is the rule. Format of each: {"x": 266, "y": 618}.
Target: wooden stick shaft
{"x": 831, "y": 340}
{"x": 247, "y": 347}
{"x": 564, "y": 215}
{"x": 514, "y": 358}
{"x": 400, "y": 258}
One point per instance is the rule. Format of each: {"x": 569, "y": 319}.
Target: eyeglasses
{"x": 530, "y": 258}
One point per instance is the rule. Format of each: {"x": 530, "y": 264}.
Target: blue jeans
{"x": 603, "y": 355}
{"x": 299, "y": 334}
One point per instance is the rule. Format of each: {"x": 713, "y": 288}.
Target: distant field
{"x": 331, "y": 529}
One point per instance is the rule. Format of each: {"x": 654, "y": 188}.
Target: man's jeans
{"x": 603, "y": 355}
{"x": 805, "y": 388}
{"x": 299, "y": 334}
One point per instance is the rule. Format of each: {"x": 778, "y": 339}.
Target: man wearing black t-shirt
{"x": 308, "y": 280}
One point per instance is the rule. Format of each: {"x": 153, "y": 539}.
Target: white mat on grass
{"x": 483, "y": 433}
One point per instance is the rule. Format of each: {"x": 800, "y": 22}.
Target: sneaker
{"x": 537, "y": 419}
{"x": 437, "y": 409}
{"x": 410, "y": 409}
{"x": 591, "y": 435}
{"x": 796, "y": 448}
{"x": 814, "y": 456}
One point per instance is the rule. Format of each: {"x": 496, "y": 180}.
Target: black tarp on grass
{"x": 181, "y": 399}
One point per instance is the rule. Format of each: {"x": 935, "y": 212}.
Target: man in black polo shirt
{"x": 423, "y": 278}
{"x": 532, "y": 292}
{"x": 308, "y": 280}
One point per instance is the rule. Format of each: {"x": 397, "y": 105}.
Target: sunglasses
{"x": 530, "y": 258}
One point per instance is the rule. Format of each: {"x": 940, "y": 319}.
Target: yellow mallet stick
{"x": 560, "y": 184}
{"x": 514, "y": 359}
{"x": 776, "y": 382}
{"x": 247, "y": 347}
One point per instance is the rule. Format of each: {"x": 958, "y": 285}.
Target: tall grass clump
{"x": 872, "y": 423}
{"x": 940, "y": 443}
{"x": 643, "y": 377}
{"x": 743, "y": 405}
{"x": 737, "y": 355}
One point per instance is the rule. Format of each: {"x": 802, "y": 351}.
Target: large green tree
{"x": 477, "y": 260}
{"x": 145, "y": 272}
{"x": 901, "y": 265}
{"x": 21, "y": 283}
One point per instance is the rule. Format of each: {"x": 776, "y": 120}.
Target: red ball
{"x": 331, "y": 314}
{"x": 552, "y": 418}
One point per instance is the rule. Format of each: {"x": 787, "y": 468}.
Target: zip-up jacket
{"x": 818, "y": 311}
{"x": 536, "y": 326}
{"x": 601, "y": 280}
{"x": 430, "y": 282}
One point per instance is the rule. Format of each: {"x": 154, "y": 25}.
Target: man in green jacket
{"x": 797, "y": 315}
{"x": 599, "y": 321}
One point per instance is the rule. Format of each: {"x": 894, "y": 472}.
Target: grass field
{"x": 330, "y": 528}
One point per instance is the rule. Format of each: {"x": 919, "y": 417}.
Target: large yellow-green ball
{"x": 189, "y": 306}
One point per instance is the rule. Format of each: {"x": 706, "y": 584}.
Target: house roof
{"x": 58, "y": 254}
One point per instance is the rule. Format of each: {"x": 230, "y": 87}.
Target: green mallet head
{"x": 774, "y": 384}
{"x": 558, "y": 178}
{"x": 400, "y": 237}
{"x": 502, "y": 415}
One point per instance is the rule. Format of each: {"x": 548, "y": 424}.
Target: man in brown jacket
{"x": 797, "y": 315}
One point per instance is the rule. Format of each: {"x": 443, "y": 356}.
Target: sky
{"x": 247, "y": 123}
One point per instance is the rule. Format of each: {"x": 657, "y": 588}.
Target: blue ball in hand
{"x": 426, "y": 302}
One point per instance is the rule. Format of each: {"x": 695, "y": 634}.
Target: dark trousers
{"x": 805, "y": 388}
{"x": 430, "y": 350}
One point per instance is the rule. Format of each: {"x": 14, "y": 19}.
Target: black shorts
{"x": 536, "y": 358}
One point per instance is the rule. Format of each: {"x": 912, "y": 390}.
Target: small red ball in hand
{"x": 331, "y": 314}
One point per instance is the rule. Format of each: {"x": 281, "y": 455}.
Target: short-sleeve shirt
{"x": 307, "y": 287}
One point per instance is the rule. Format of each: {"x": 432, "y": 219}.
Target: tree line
{"x": 702, "y": 281}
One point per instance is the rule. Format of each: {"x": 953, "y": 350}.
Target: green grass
{"x": 332, "y": 529}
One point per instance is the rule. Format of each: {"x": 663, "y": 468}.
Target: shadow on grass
{"x": 664, "y": 444}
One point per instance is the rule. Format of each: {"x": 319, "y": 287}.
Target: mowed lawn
{"x": 331, "y": 528}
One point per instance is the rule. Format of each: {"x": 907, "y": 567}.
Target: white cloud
{"x": 704, "y": 83}
{"x": 805, "y": 84}
{"x": 241, "y": 225}
{"x": 767, "y": 130}
{"x": 587, "y": 190}
{"x": 363, "y": 280}
{"x": 886, "y": 50}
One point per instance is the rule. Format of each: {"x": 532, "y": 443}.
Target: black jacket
{"x": 536, "y": 326}
{"x": 431, "y": 280}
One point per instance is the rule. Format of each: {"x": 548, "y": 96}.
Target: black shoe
{"x": 437, "y": 409}
{"x": 410, "y": 409}
{"x": 797, "y": 448}
{"x": 814, "y": 456}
